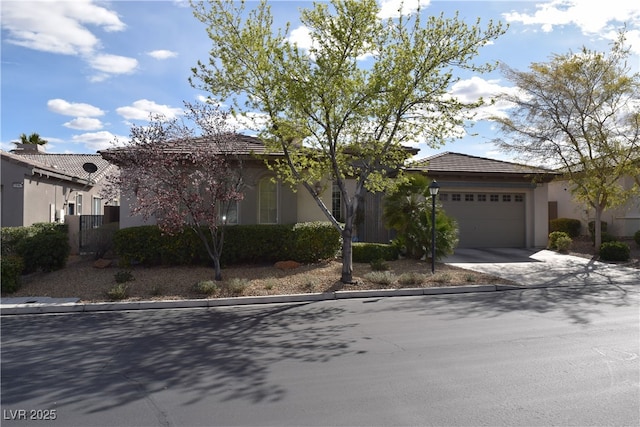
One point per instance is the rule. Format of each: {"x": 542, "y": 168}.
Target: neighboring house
{"x": 41, "y": 187}
{"x": 622, "y": 221}
{"x": 496, "y": 203}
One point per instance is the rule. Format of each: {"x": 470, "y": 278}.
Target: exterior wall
{"x": 308, "y": 209}
{"x": 12, "y": 209}
{"x": 29, "y": 198}
{"x": 538, "y": 221}
{"x": 623, "y": 221}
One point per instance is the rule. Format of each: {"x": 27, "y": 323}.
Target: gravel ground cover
{"x": 82, "y": 279}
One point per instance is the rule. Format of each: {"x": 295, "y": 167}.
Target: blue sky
{"x": 80, "y": 72}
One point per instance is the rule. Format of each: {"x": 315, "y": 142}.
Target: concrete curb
{"x": 51, "y": 308}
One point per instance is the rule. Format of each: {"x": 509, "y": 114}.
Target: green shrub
{"x": 206, "y": 287}
{"x": 554, "y": 237}
{"x": 258, "y": 243}
{"x": 568, "y": 225}
{"x": 563, "y": 244}
{"x": 315, "y": 241}
{"x": 592, "y": 228}
{"x": 308, "y": 242}
{"x": 636, "y": 237}
{"x": 118, "y": 292}
{"x": 11, "y": 271}
{"x": 442, "y": 278}
{"x": 369, "y": 252}
{"x": 380, "y": 277}
{"x": 235, "y": 287}
{"x": 412, "y": 278}
{"x": 124, "y": 276}
{"x": 615, "y": 251}
{"x": 379, "y": 265}
{"x": 11, "y": 238}
{"x": 42, "y": 246}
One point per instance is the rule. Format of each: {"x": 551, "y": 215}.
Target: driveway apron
{"x": 542, "y": 267}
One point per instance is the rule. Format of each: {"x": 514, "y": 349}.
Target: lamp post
{"x": 433, "y": 190}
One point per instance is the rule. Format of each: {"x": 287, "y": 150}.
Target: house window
{"x": 95, "y": 206}
{"x": 456, "y": 197}
{"x": 506, "y": 197}
{"x": 482, "y": 197}
{"x": 79, "y": 204}
{"x": 336, "y": 203}
{"x": 228, "y": 212}
{"x": 468, "y": 197}
{"x": 268, "y": 201}
{"x": 519, "y": 198}
{"x": 494, "y": 198}
{"x": 444, "y": 197}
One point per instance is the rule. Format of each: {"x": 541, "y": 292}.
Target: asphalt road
{"x": 533, "y": 357}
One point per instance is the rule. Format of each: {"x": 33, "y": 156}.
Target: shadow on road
{"x": 579, "y": 305}
{"x": 130, "y": 356}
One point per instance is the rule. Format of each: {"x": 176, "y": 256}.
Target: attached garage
{"x": 496, "y": 203}
{"x": 487, "y": 219}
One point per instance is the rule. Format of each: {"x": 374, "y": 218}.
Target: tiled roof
{"x": 449, "y": 162}
{"x": 70, "y": 165}
{"x": 239, "y": 145}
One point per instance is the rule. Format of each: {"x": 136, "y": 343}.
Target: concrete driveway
{"x": 530, "y": 267}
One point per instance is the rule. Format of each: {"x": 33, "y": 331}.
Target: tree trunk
{"x": 597, "y": 229}
{"x": 218, "y": 270}
{"x": 347, "y": 254}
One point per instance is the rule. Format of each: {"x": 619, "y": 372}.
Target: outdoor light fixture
{"x": 433, "y": 190}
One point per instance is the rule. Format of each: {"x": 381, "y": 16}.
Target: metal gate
{"x": 89, "y": 225}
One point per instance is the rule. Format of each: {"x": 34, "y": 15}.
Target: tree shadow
{"x": 100, "y": 361}
{"x": 579, "y": 305}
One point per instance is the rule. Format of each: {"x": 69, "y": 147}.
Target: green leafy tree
{"x": 342, "y": 109}
{"x": 579, "y": 112}
{"x": 408, "y": 211}
{"x": 33, "y": 139}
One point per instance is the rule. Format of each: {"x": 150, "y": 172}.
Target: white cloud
{"x": 396, "y": 8}
{"x": 57, "y": 26}
{"x": 162, "y": 54}
{"x": 593, "y": 18}
{"x": 66, "y": 108}
{"x": 301, "y": 36}
{"x": 472, "y": 89}
{"x": 98, "y": 140}
{"x": 143, "y": 108}
{"x": 113, "y": 64}
{"x": 84, "y": 123}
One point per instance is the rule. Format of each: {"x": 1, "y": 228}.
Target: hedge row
{"x": 42, "y": 246}
{"x": 566, "y": 225}
{"x": 304, "y": 242}
{"x": 370, "y": 252}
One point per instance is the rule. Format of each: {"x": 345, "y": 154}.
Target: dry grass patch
{"x": 82, "y": 280}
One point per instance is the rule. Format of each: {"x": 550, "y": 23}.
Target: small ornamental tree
{"x": 408, "y": 211}
{"x": 180, "y": 177}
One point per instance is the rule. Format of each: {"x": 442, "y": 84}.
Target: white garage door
{"x": 487, "y": 220}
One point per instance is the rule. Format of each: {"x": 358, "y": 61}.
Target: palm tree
{"x": 33, "y": 139}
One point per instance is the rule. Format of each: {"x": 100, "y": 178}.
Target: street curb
{"x": 44, "y": 308}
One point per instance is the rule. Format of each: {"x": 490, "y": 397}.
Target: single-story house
{"x": 496, "y": 203}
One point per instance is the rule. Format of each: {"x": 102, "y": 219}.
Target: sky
{"x": 81, "y": 72}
